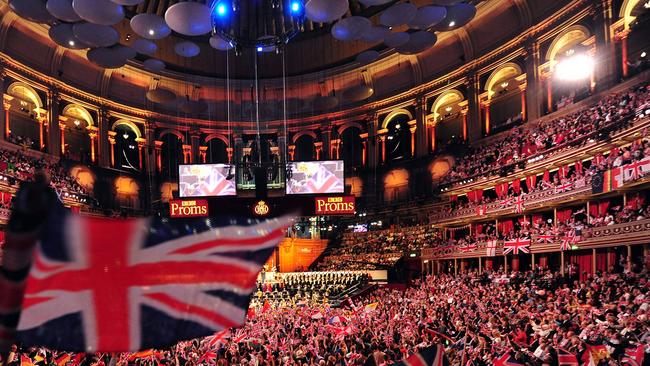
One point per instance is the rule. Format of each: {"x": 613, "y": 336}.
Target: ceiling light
{"x": 221, "y": 9}
{"x": 259, "y": 49}
{"x": 643, "y": 54}
{"x": 76, "y": 122}
{"x": 504, "y": 84}
{"x": 296, "y": 7}
{"x": 71, "y": 43}
{"x": 452, "y": 23}
{"x": 448, "y": 109}
{"x": 152, "y": 32}
{"x": 125, "y": 135}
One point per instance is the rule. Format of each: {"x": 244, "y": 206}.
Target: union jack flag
{"x": 519, "y": 204}
{"x": 507, "y": 360}
{"x": 633, "y": 356}
{"x": 564, "y": 187}
{"x": 516, "y": 246}
{"x": 506, "y": 202}
{"x": 125, "y": 285}
{"x": 545, "y": 238}
{"x": 566, "y": 358}
{"x": 431, "y": 356}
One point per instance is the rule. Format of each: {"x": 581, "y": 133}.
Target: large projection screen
{"x": 315, "y": 177}
{"x": 206, "y": 180}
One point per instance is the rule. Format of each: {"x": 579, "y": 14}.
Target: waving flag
{"x": 125, "y": 285}
{"x": 507, "y": 360}
{"x": 516, "y": 246}
{"x": 519, "y": 204}
{"x": 431, "y": 356}
{"x": 634, "y": 356}
{"x": 566, "y": 358}
{"x": 491, "y": 248}
{"x": 545, "y": 238}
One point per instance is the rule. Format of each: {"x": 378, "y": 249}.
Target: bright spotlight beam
{"x": 577, "y": 67}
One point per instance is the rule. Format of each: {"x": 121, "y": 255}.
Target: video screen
{"x": 315, "y": 177}
{"x": 360, "y": 228}
{"x": 206, "y": 180}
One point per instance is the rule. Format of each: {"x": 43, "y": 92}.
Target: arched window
{"x": 351, "y": 146}
{"x": 217, "y": 151}
{"x": 127, "y": 140}
{"x": 171, "y": 155}
{"x": 78, "y": 123}
{"x": 505, "y": 96}
{"x": 398, "y": 138}
{"x": 26, "y": 116}
{"x": 448, "y": 119}
{"x": 305, "y": 148}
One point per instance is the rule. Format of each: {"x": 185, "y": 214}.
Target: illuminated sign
{"x": 261, "y": 209}
{"x": 188, "y": 208}
{"x": 337, "y": 205}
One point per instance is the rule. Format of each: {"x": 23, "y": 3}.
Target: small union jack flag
{"x": 519, "y": 204}
{"x": 125, "y": 285}
{"x": 545, "y": 238}
{"x": 431, "y": 356}
{"x": 565, "y": 187}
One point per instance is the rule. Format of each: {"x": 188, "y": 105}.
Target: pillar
{"x": 292, "y": 152}
{"x": 486, "y": 107}
{"x": 421, "y": 124}
{"x": 364, "y": 148}
{"x": 42, "y": 124}
{"x": 432, "y": 133}
{"x": 593, "y": 261}
{"x": 239, "y": 146}
{"x": 62, "y": 135}
{"x": 505, "y": 263}
{"x": 327, "y": 150}
{"x": 532, "y": 260}
{"x": 335, "y": 150}
{"x": 412, "y": 128}
{"x": 382, "y": 146}
{"x": 318, "y": 146}
{"x": 474, "y": 108}
{"x": 3, "y": 119}
{"x": 149, "y": 132}
{"x": 187, "y": 154}
{"x": 605, "y": 66}
{"x": 195, "y": 142}
{"x": 623, "y": 38}
{"x": 562, "y": 262}
{"x": 104, "y": 146}
{"x": 480, "y": 265}
{"x": 203, "y": 153}
{"x": 629, "y": 258}
{"x": 158, "y": 150}
{"x": 373, "y": 142}
{"x": 229, "y": 151}
{"x": 142, "y": 145}
{"x": 455, "y": 266}
{"x": 534, "y": 85}
{"x": 522, "y": 88}
{"x": 463, "y": 111}
{"x": 6, "y": 106}
{"x": 92, "y": 134}
{"x": 549, "y": 93}
{"x": 55, "y": 133}
{"x": 111, "y": 143}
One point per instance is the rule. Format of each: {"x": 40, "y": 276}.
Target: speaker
{"x": 261, "y": 191}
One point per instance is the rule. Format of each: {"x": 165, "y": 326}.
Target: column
{"x": 111, "y": 142}
{"x": 92, "y": 134}
{"x": 421, "y": 124}
{"x": 412, "y": 128}
{"x": 622, "y": 36}
{"x": 533, "y": 81}
{"x": 549, "y": 93}
{"x": 104, "y": 145}
{"x": 62, "y": 134}
{"x": 593, "y": 261}
{"x": 318, "y": 146}
{"x": 486, "y": 107}
{"x": 187, "y": 154}
{"x": 6, "y": 107}
{"x": 382, "y": 145}
{"x": 629, "y": 258}
{"x": 142, "y": 144}
{"x": 203, "y": 153}
{"x": 3, "y": 118}
{"x": 562, "y": 262}
{"x": 364, "y": 148}
{"x": 532, "y": 260}
{"x": 292, "y": 152}
{"x": 239, "y": 145}
{"x": 480, "y": 265}
{"x": 55, "y": 134}
{"x": 195, "y": 142}
{"x": 229, "y": 151}
{"x": 149, "y": 132}
{"x": 158, "y": 150}
{"x": 42, "y": 123}
{"x": 463, "y": 111}
{"x": 373, "y": 142}
{"x": 335, "y": 152}
{"x": 605, "y": 67}
{"x": 455, "y": 266}
{"x": 327, "y": 150}
{"x": 432, "y": 133}
{"x": 473, "y": 91}
{"x": 522, "y": 88}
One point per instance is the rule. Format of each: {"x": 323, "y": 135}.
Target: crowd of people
{"x": 21, "y": 166}
{"x": 314, "y": 287}
{"x": 531, "y": 319}
{"x": 519, "y": 144}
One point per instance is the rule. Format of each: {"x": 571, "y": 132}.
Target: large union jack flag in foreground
{"x": 109, "y": 286}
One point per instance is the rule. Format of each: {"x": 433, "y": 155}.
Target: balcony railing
{"x": 635, "y": 232}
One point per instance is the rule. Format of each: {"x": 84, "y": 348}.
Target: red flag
{"x": 546, "y": 177}
{"x": 63, "y": 359}
{"x": 25, "y": 361}
{"x": 266, "y": 307}
{"x": 566, "y": 358}
{"x": 250, "y": 313}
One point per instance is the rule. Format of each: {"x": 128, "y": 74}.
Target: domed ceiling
{"x": 192, "y": 36}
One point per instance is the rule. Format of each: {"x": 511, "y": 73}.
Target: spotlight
{"x": 71, "y": 43}
{"x": 295, "y": 7}
{"x": 260, "y": 49}
{"x": 643, "y": 54}
{"x": 221, "y": 9}
{"x": 576, "y": 67}
{"x": 152, "y": 32}
{"x": 452, "y": 23}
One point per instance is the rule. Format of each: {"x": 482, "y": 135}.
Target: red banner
{"x": 336, "y": 205}
{"x": 188, "y": 208}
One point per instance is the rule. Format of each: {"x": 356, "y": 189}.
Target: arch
{"x": 626, "y": 11}
{"x": 394, "y": 114}
{"x": 168, "y": 131}
{"x": 347, "y": 125}
{"x": 219, "y": 136}
{"x": 572, "y": 35}
{"x": 446, "y": 97}
{"x": 78, "y": 112}
{"x": 132, "y": 126}
{"x": 311, "y": 133}
{"x": 23, "y": 91}
{"x": 504, "y": 72}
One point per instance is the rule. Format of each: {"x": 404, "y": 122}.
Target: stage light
{"x": 221, "y": 9}
{"x": 296, "y": 7}
{"x": 260, "y": 49}
{"x": 71, "y": 43}
{"x": 152, "y": 32}
{"x": 643, "y": 54}
{"x": 576, "y": 67}
{"x": 452, "y": 23}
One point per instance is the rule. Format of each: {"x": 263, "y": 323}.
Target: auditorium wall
{"x": 297, "y": 255}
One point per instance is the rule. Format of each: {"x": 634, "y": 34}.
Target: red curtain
{"x": 501, "y": 189}
{"x": 488, "y": 263}
{"x": 453, "y": 197}
{"x": 531, "y": 180}
{"x": 593, "y": 209}
{"x": 602, "y": 208}
{"x": 579, "y": 166}
{"x": 562, "y": 171}
{"x": 543, "y": 261}
{"x": 516, "y": 186}
{"x": 601, "y": 261}
{"x": 478, "y": 229}
{"x": 537, "y": 218}
{"x": 546, "y": 177}
{"x": 515, "y": 264}
{"x": 506, "y": 226}
{"x": 563, "y": 215}
{"x": 471, "y": 196}
{"x": 583, "y": 261}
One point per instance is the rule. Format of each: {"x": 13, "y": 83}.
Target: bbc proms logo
{"x": 188, "y": 208}
{"x": 335, "y": 205}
